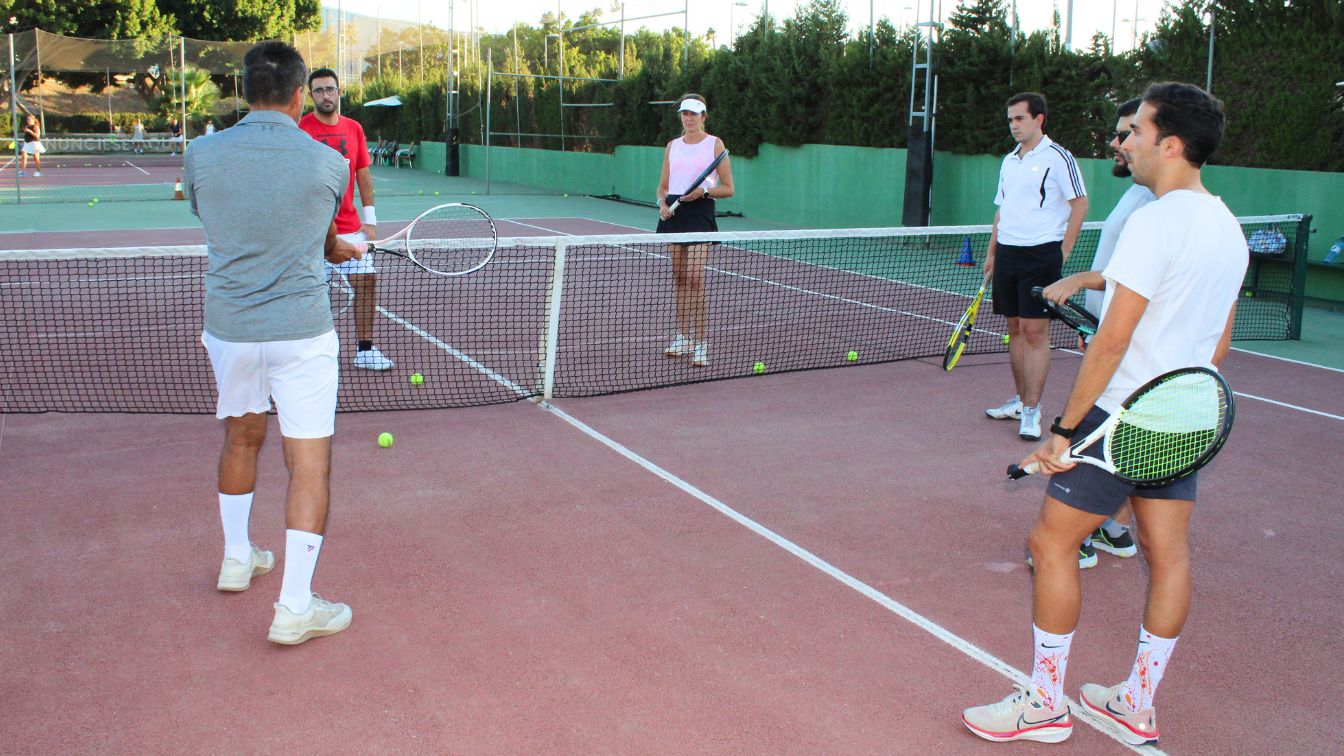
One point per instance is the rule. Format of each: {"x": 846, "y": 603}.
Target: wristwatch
{"x": 1060, "y": 430}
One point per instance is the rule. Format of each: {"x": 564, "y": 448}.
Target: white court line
{"x": 1286, "y": 359}
{"x": 138, "y": 168}
{"x": 939, "y": 632}
{"x": 1276, "y": 402}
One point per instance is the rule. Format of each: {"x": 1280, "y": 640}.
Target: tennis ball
{"x": 566, "y": 195}
{"x": 1006, "y": 337}
{"x": 417, "y": 379}
{"x": 95, "y": 200}
{"x": 90, "y": 203}
{"x": 436, "y": 194}
{"x": 852, "y": 356}
{"x": 422, "y": 191}
{"x": 384, "y": 440}
{"x": 759, "y": 368}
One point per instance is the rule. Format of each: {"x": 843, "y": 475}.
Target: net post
{"x": 1299, "y": 295}
{"x": 551, "y": 333}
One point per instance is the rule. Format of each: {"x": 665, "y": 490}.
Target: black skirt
{"x": 691, "y": 218}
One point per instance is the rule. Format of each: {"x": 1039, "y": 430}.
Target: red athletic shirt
{"x": 347, "y": 138}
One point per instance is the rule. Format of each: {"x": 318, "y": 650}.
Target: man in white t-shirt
{"x": 1042, "y": 203}
{"x": 1171, "y": 291}
{"x": 1112, "y": 537}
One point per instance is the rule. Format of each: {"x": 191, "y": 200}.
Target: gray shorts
{"x": 1092, "y": 489}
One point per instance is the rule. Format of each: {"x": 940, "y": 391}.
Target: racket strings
{"x": 1170, "y": 428}
{"x": 451, "y": 238}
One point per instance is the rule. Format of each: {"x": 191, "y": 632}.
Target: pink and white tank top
{"x": 685, "y": 161}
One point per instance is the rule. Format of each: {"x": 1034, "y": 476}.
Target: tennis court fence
{"x": 118, "y": 329}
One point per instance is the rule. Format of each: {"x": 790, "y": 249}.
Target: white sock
{"x": 301, "y": 552}
{"x": 234, "y": 512}
{"x": 1149, "y": 664}
{"x": 1114, "y": 529}
{"x": 1047, "y": 670}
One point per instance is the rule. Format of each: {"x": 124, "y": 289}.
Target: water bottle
{"x": 1335, "y": 250}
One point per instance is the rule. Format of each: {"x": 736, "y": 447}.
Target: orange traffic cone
{"x": 177, "y": 190}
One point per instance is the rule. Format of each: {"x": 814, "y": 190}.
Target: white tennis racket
{"x": 1167, "y": 429}
{"x": 447, "y": 240}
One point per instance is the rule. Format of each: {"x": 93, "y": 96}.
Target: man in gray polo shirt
{"x": 266, "y": 194}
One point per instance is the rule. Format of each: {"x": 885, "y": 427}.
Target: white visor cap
{"x": 694, "y": 106}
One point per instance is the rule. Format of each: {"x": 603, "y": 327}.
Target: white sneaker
{"x": 322, "y": 618}
{"x": 372, "y": 359}
{"x": 680, "y": 347}
{"x": 1030, "y": 428}
{"x": 37, "y": 174}
{"x": 237, "y": 576}
{"x": 701, "y": 357}
{"x": 23, "y": 173}
{"x": 1009, "y": 410}
{"x": 1020, "y": 716}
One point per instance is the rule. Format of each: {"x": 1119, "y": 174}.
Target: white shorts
{"x": 34, "y": 148}
{"x": 352, "y": 267}
{"x": 301, "y": 374}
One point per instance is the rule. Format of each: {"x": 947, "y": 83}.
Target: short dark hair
{"x": 272, "y": 71}
{"x": 1186, "y": 111}
{"x": 1035, "y": 102}
{"x": 1128, "y": 107}
{"x": 321, "y": 73}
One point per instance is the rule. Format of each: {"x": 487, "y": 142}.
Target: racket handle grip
{"x": 672, "y": 209}
{"x": 1016, "y": 472}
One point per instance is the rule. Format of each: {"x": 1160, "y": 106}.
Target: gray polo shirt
{"x": 266, "y": 193}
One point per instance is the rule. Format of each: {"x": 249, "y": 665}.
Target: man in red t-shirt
{"x": 346, "y": 136}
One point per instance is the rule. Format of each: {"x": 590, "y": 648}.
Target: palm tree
{"x": 202, "y": 95}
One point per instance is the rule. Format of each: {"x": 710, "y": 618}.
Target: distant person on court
{"x": 1112, "y": 537}
{"x": 176, "y": 129}
{"x": 138, "y": 137}
{"x": 32, "y": 145}
{"x": 1042, "y": 203}
{"x": 1171, "y": 292}
{"x": 209, "y": 126}
{"x": 346, "y": 136}
{"x": 267, "y": 195}
{"x": 683, "y": 160}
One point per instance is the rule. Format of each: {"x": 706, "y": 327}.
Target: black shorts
{"x": 1092, "y": 489}
{"x": 691, "y": 218}
{"x": 1017, "y": 269}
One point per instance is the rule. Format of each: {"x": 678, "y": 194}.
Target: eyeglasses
{"x": 324, "y": 90}
{"x": 1120, "y": 136}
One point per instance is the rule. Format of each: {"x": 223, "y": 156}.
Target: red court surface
{"x": 818, "y": 562}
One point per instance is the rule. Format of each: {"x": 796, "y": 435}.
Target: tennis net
{"x": 118, "y": 329}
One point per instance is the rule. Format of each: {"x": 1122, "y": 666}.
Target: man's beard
{"x": 328, "y": 107}
{"x": 1120, "y": 170}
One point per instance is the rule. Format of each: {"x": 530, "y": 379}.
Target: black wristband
{"x": 1061, "y": 431}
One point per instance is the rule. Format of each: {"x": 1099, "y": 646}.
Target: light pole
{"x": 1213, "y": 22}
{"x": 546, "y": 51}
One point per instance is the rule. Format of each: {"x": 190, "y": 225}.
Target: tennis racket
{"x": 1078, "y": 318}
{"x": 698, "y": 181}
{"x": 447, "y": 240}
{"x": 341, "y": 292}
{"x": 1172, "y": 426}
{"x": 957, "y": 344}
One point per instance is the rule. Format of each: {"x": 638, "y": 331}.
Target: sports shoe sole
{"x": 1043, "y": 734}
